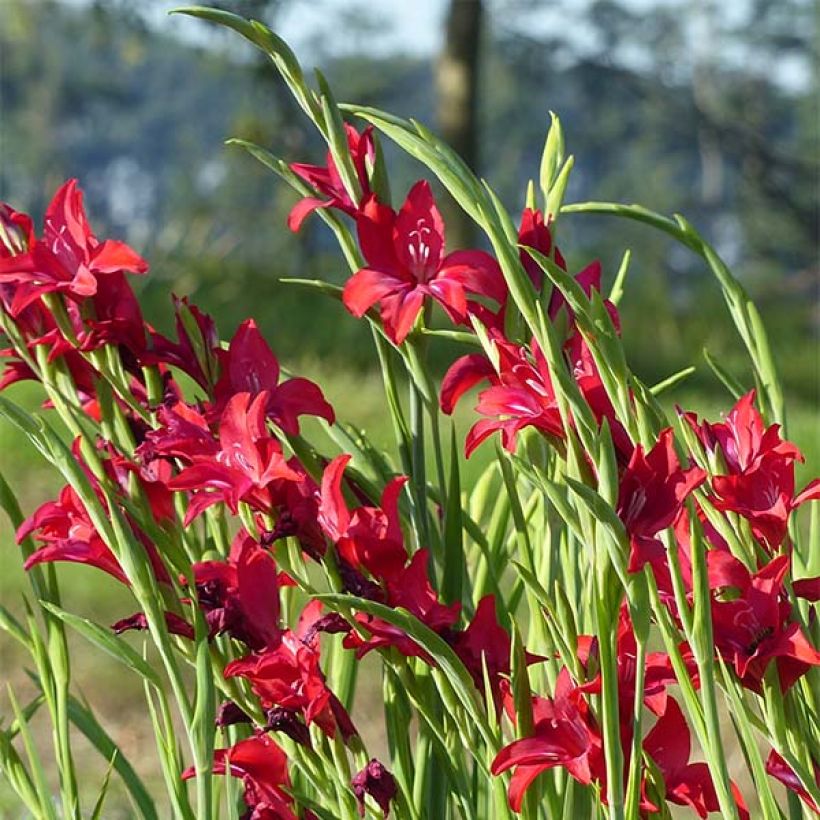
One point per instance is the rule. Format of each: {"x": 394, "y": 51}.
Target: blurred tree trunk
{"x": 456, "y": 76}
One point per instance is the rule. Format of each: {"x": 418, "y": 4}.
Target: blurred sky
{"x": 416, "y": 27}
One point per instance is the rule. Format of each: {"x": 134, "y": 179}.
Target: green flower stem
{"x": 633, "y": 785}
{"x": 606, "y": 616}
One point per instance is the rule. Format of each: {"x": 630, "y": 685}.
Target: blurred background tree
{"x": 701, "y": 107}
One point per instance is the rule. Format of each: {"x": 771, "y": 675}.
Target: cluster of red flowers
{"x": 69, "y": 298}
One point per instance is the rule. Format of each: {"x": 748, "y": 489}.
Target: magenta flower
{"x": 405, "y": 259}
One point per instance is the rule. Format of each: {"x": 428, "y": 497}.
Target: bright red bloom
{"x": 765, "y": 497}
{"x": 194, "y": 355}
{"x": 117, "y": 321}
{"x": 290, "y": 676}
{"x": 240, "y": 597}
{"x": 565, "y": 734}
{"x": 743, "y": 439}
{"x": 69, "y": 258}
{"x": 249, "y": 366}
{"x": 486, "y": 643}
{"x": 412, "y": 590}
{"x": 687, "y": 784}
{"x": 405, "y": 259}
{"x": 658, "y": 673}
{"x": 653, "y": 487}
{"x": 68, "y": 534}
{"x": 375, "y": 780}
{"x": 295, "y": 507}
{"x": 328, "y": 182}
{"x": 759, "y": 484}
{"x": 520, "y": 393}
{"x": 755, "y": 628}
{"x": 533, "y": 232}
{"x": 777, "y": 767}
{"x": 247, "y": 461}
{"x": 370, "y": 538}
{"x": 263, "y": 767}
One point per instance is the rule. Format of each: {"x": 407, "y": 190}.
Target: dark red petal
{"x": 463, "y": 373}
{"x": 811, "y": 492}
{"x": 298, "y": 397}
{"x": 334, "y": 516}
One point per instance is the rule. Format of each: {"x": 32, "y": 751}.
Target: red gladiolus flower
{"x": 765, "y": 497}
{"x": 743, "y": 440}
{"x": 759, "y": 484}
{"x": 687, "y": 784}
{"x": 249, "y": 366}
{"x": 370, "y": 538}
{"x": 486, "y": 643}
{"x": 375, "y": 780}
{"x": 755, "y": 628}
{"x": 248, "y": 460}
{"x": 295, "y": 507}
{"x": 777, "y": 767}
{"x": 68, "y": 534}
{"x": 241, "y": 596}
{"x": 565, "y": 735}
{"x": 405, "y": 259}
{"x": 290, "y": 676}
{"x": 533, "y": 232}
{"x": 117, "y": 321}
{"x": 520, "y": 395}
{"x": 263, "y": 768}
{"x": 328, "y": 182}
{"x": 69, "y": 258}
{"x": 193, "y": 355}
{"x": 658, "y": 674}
{"x": 412, "y": 590}
{"x": 654, "y": 486}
